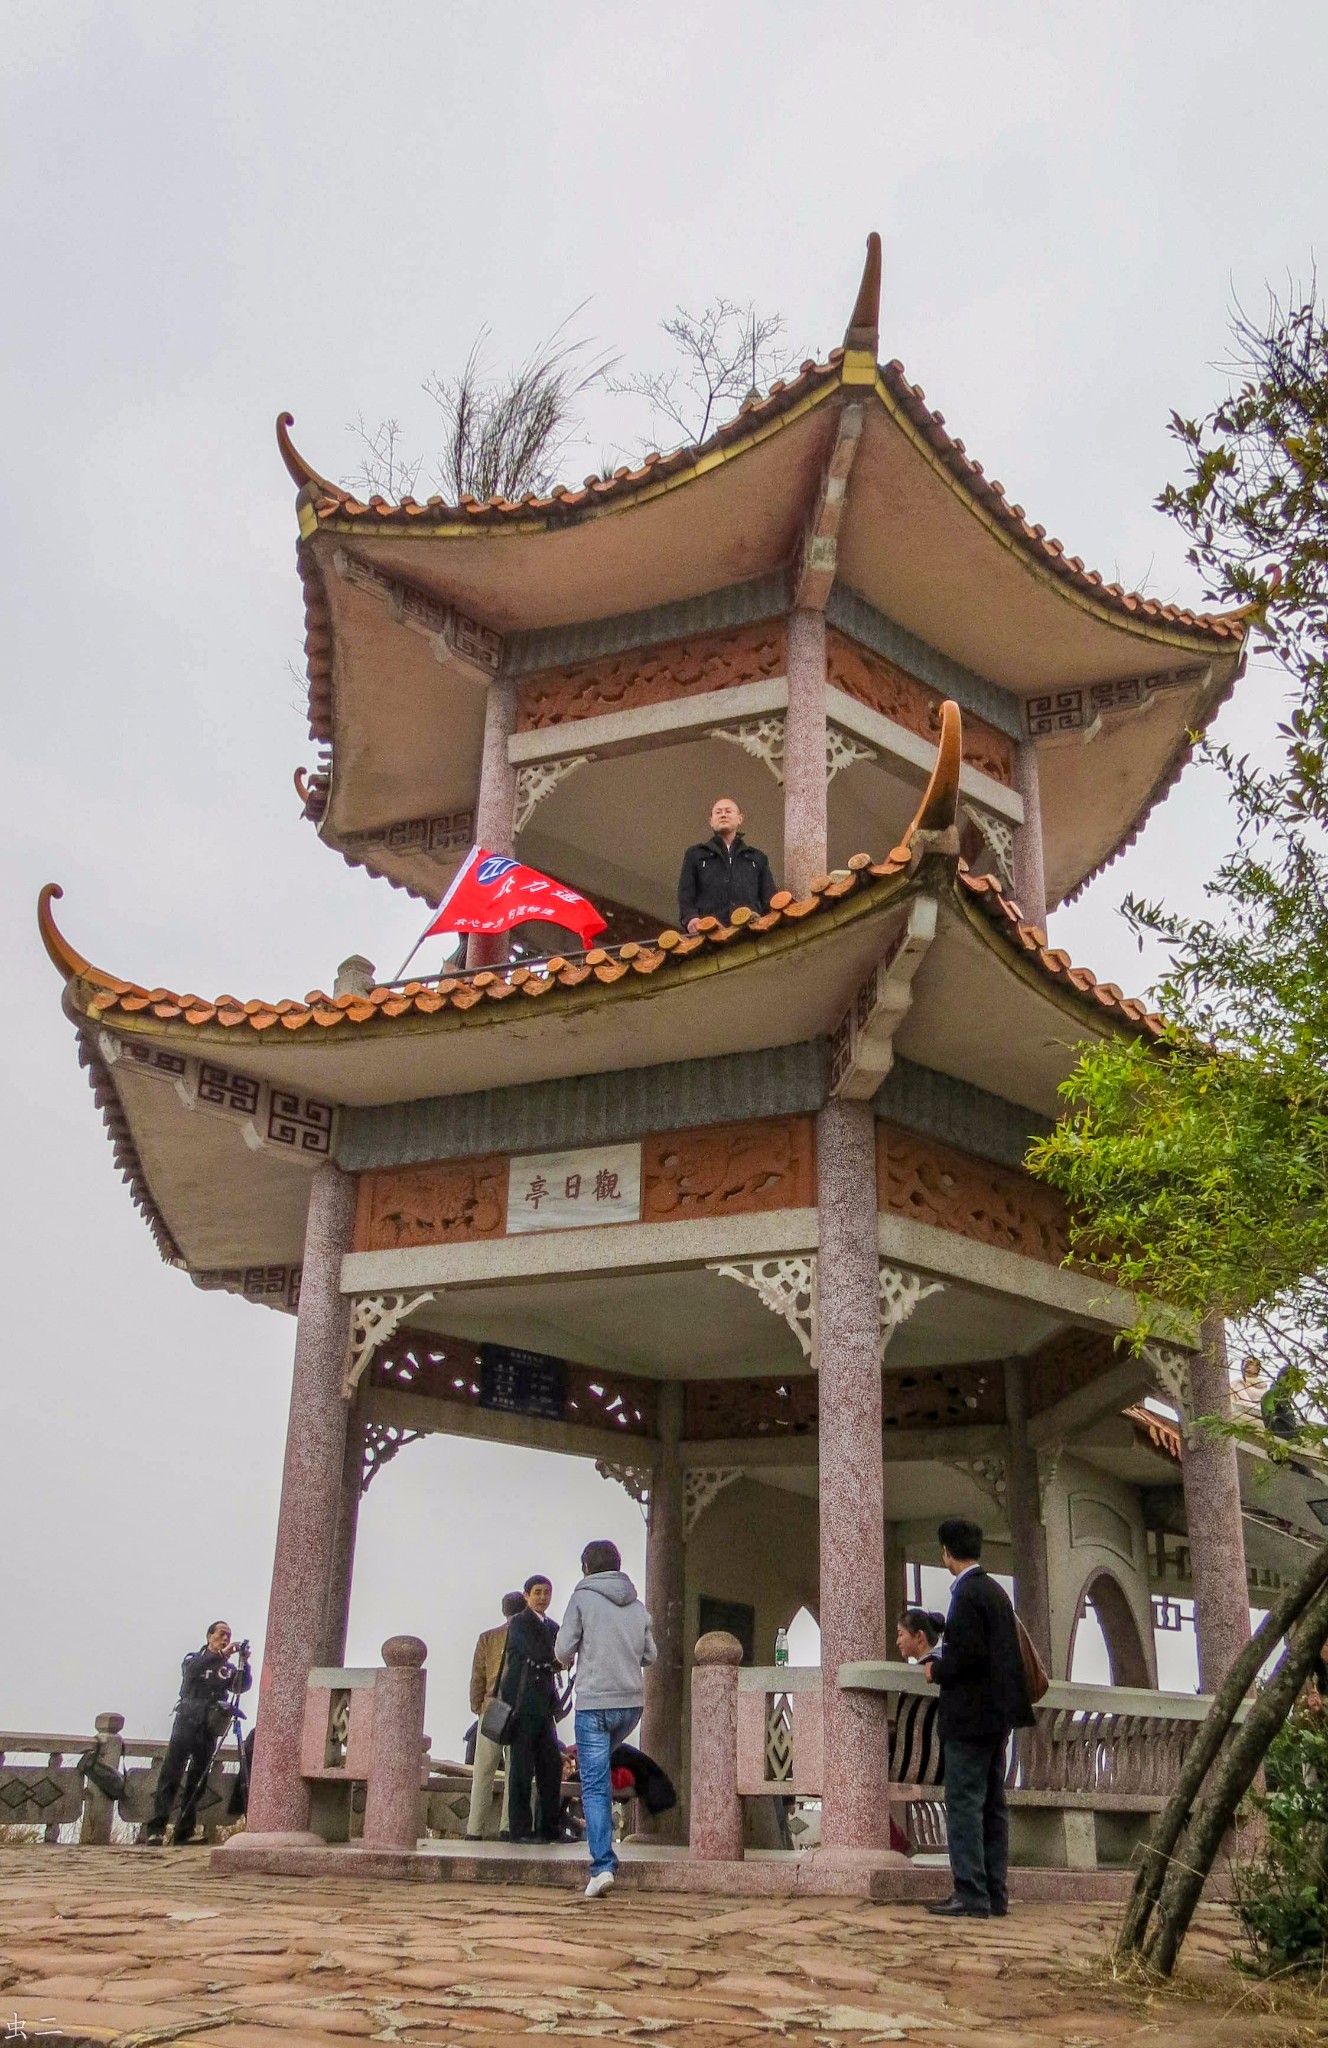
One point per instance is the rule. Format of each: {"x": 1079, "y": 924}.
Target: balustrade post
{"x": 51, "y": 1831}
{"x": 396, "y": 1746}
{"x": 98, "y": 1810}
{"x": 716, "y": 1809}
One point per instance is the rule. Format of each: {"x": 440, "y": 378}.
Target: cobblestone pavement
{"x": 145, "y": 1947}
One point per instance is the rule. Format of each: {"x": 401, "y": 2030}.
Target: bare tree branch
{"x": 726, "y": 351}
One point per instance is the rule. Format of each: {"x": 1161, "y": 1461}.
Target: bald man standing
{"x": 723, "y": 873}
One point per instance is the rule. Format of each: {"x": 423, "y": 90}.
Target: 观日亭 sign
{"x": 572, "y": 1190}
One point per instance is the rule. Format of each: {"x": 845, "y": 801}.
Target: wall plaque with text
{"x": 522, "y": 1382}
{"x": 574, "y": 1190}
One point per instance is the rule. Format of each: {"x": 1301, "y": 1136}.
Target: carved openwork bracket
{"x": 635, "y": 1479}
{"x": 1172, "y": 1368}
{"x": 763, "y": 738}
{"x": 382, "y": 1441}
{"x": 986, "y": 1472}
{"x": 787, "y": 1287}
{"x": 842, "y": 749}
{"x": 901, "y": 1291}
{"x": 699, "y": 1488}
{"x": 997, "y": 837}
{"x": 373, "y": 1319}
{"x": 538, "y": 780}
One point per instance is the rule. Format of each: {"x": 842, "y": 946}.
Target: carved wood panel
{"x": 997, "y": 1205}
{"x": 451, "y": 1201}
{"x": 445, "y": 1368}
{"x": 729, "y": 1169}
{"x": 654, "y": 675}
{"x": 940, "y": 1398}
{"x": 883, "y": 687}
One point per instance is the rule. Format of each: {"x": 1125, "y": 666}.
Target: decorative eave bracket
{"x": 787, "y": 1287}
{"x": 862, "y": 1050}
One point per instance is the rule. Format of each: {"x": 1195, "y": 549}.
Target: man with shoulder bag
{"x": 985, "y": 1694}
{"x": 485, "y": 1670}
{"x": 209, "y": 1679}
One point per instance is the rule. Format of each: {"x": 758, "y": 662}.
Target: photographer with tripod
{"x": 212, "y": 1680}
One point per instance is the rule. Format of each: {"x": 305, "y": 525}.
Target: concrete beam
{"x": 434, "y": 1417}
{"x": 1107, "y": 1395}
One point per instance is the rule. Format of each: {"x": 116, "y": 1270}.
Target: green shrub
{"x": 1282, "y": 1892}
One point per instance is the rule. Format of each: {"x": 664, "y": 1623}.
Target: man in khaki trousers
{"x": 484, "y": 1670}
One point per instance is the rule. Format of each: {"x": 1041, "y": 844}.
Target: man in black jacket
{"x": 723, "y": 873}
{"x": 528, "y": 1681}
{"x": 984, "y": 1694}
{"x": 207, "y": 1676}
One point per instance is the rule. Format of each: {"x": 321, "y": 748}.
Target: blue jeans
{"x": 599, "y": 1730}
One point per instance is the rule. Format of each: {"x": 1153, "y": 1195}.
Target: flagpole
{"x": 434, "y": 915}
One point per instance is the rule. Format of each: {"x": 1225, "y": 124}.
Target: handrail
{"x": 1060, "y": 1697}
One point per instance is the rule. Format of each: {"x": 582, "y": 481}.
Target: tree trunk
{"x": 1171, "y": 1822}
{"x": 1231, "y": 1781}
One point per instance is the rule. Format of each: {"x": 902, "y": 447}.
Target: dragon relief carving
{"x": 657, "y": 675}
{"x": 883, "y": 687}
{"x": 729, "y": 1169}
{"x": 451, "y": 1202}
{"x": 996, "y": 1205}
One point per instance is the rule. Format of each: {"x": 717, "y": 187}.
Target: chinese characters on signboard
{"x": 572, "y": 1190}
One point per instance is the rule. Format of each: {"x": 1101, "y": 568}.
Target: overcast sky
{"x": 214, "y": 213}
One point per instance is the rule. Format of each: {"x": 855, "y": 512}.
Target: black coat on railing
{"x": 984, "y": 1693}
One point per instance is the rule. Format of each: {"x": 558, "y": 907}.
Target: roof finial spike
{"x": 61, "y": 953}
{"x": 864, "y": 329}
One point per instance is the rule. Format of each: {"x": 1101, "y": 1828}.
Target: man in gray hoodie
{"x": 607, "y": 1631}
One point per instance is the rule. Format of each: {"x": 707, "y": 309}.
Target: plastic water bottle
{"x": 781, "y": 1647}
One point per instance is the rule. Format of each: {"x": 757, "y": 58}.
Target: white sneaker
{"x": 599, "y": 1884}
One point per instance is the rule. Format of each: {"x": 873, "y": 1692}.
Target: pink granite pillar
{"x": 395, "y": 1783}
{"x": 661, "y": 1718}
{"x": 896, "y": 1583}
{"x": 716, "y": 1828}
{"x": 307, "y": 1520}
{"x": 343, "y": 1551}
{"x": 805, "y": 828}
{"x": 1028, "y": 1538}
{"x": 854, "y": 1806}
{"x": 495, "y": 804}
{"x": 1211, "y": 1479}
{"x": 1030, "y": 888}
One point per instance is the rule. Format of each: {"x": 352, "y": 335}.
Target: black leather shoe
{"x": 958, "y": 1909}
{"x": 1000, "y": 1912}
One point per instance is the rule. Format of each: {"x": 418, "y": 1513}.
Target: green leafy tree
{"x": 1198, "y": 1171}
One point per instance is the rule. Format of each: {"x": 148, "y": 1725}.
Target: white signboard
{"x": 572, "y": 1190}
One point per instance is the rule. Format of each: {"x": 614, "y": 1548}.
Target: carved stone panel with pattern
{"x": 1069, "y": 1360}
{"x": 942, "y": 1397}
{"x": 449, "y": 1202}
{"x": 442, "y": 1368}
{"x": 729, "y": 1169}
{"x": 883, "y": 687}
{"x": 654, "y": 675}
{"x": 997, "y": 1205}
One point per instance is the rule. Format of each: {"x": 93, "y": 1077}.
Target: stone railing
{"x": 1083, "y": 1783}
{"x": 40, "y": 1785}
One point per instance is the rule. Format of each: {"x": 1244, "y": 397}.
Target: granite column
{"x": 307, "y": 1518}
{"x": 1030, "y": 887}
{"x": 495, "y": 805}
{"x": 1028, "y": 1538}
{"x": 661, "y": 1718}
{"x": 805, "y": 827}
{"x": 854, "y": 1809}
{"x": 1211, "y": 1479}
{"x": 343, "y": 1551}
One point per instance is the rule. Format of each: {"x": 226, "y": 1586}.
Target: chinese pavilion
{"x": 741, "y": 1215}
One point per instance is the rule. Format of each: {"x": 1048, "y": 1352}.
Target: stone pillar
{"x": 307, "y": 1519}
{"x": 98, "y": 1810}
{"x": 1028, "y": 1538}
{"x": 495, "y": 804}
{"x": 896, "y": 1583}
{"x": 855, "y": 1813}
{"x": 1211, "y": 1479}
{"x": 1030, "y": 888}
{"x": 716, "y": 1826}
{"x": 394, "y": 1789}
{"x": 343, "y": 1549}
{"x": 661, "y": 1719}
{"x": 805, "y": 831}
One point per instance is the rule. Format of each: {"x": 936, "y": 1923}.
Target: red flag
{"x": 492, "y": 892}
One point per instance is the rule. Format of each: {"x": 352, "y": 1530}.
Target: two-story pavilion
{"x": 741, "y": 1215}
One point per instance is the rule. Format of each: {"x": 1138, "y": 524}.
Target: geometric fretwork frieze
{"x": 268, "y": 1118}
{"x": 700, "y": 1486}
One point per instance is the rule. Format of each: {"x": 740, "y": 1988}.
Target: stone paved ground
{"x": 149, "y": 1946}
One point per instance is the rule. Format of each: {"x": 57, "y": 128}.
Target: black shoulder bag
{"x": 498, "y": 1721}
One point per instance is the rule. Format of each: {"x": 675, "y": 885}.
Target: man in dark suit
{"x": 984, "y": 1694}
